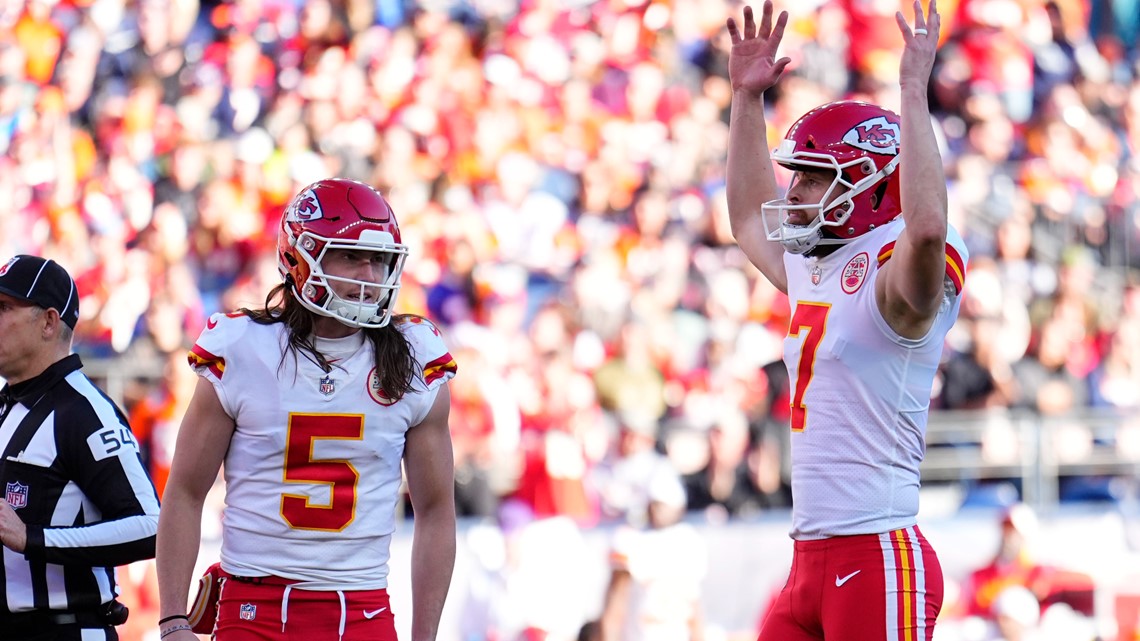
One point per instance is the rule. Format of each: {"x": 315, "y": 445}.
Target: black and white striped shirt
{"x": 70, "y": 468}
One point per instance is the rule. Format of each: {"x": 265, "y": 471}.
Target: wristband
{"x": 172, "y": 629}
{"x": 173, "y": 617}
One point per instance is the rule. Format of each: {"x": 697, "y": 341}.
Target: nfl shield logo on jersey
{"x": 328, "y": 385}
{"x": 248, "y": 612}
{"x": 816, "y": 275}
{"x": 17, "y": 495}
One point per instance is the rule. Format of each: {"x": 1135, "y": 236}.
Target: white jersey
{"x": 666, "y": 568}
{"x": 860, "y": 393}
{"x": 313, "y": 469}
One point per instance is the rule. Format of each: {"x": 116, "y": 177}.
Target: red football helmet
{"x": 859, "y": 141}
{"x": 341, "y": 214}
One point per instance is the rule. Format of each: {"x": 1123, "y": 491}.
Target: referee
{"x": 78, "y": 500}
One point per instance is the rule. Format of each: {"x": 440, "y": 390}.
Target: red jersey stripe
{"x": 885, "y": 252}
{"x": 199, "y": 357}
{"x": 438, "y": 368}
{"x": 955, "y": 266}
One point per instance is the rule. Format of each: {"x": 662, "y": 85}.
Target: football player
{"x": 861, "y": 244}
{"x": 312, "y": 403}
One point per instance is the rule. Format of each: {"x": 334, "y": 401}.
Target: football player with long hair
{"x": 312, "y": 402}
{"x": 861, "y": 245}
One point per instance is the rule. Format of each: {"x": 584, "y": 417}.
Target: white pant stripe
{"x": 919, "y": 586}
{"x": 890, "y": 576}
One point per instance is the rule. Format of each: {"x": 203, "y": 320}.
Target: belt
{"x": 261, "y": 580}
{"x": 33, "y": 619}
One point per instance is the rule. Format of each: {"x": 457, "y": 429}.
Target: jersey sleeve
{"x": 434, "y": 360}
{"x": 956, "y": 257}
{"x": 434, "y": 363}
{"x": 208, "y": 355}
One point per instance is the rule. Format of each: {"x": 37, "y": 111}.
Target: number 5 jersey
{"x": 313, "y": 470}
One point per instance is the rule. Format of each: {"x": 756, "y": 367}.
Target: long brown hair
{"x": 391, "y": 352}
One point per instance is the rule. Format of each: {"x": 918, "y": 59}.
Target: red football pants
{"x": 871, "y": 587}
{"x": 272, "y": 610}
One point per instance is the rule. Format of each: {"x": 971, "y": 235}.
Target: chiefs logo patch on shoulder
{"x": 877, "y": 135}
{"x": 855, "y": 272}
{"x": 375, "y": 392}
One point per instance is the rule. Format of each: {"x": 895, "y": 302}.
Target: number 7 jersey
{"x": 313, "y": 470}
{"x": 860, "y": 393}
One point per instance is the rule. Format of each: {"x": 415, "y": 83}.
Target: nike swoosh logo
{"x": 839, "y": 582}
{"x": 211, "y": 323}
{"x": 372, "y": 614}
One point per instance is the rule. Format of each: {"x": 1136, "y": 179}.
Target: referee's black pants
{"x": 66, "y": 632}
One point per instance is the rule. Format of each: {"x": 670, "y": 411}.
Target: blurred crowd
{"x": 557, "y": 168}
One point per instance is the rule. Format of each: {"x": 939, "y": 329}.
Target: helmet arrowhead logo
{"x": 876, "y": 135}
{"x": 304, "y": 208}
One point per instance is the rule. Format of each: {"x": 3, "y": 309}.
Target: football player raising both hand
{"x": 860, "y": 243}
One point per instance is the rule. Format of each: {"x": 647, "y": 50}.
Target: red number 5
{"x": 338, "y": 474}
{"x": 811, "y": 317}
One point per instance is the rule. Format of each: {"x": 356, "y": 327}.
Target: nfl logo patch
{"x": 248, "y": 612}
{"x": 816, "y": 275}
{"x": 328, "y": 385}
{"x": 17, "y": 495}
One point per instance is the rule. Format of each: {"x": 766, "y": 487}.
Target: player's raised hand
{"x": 921, "y": 44}
{"x": 752, "y": 64}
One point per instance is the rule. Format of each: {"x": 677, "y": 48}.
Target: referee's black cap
{"x": 42, "y": 282}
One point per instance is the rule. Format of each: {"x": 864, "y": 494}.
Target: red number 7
{"x": 811, "y": 317}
